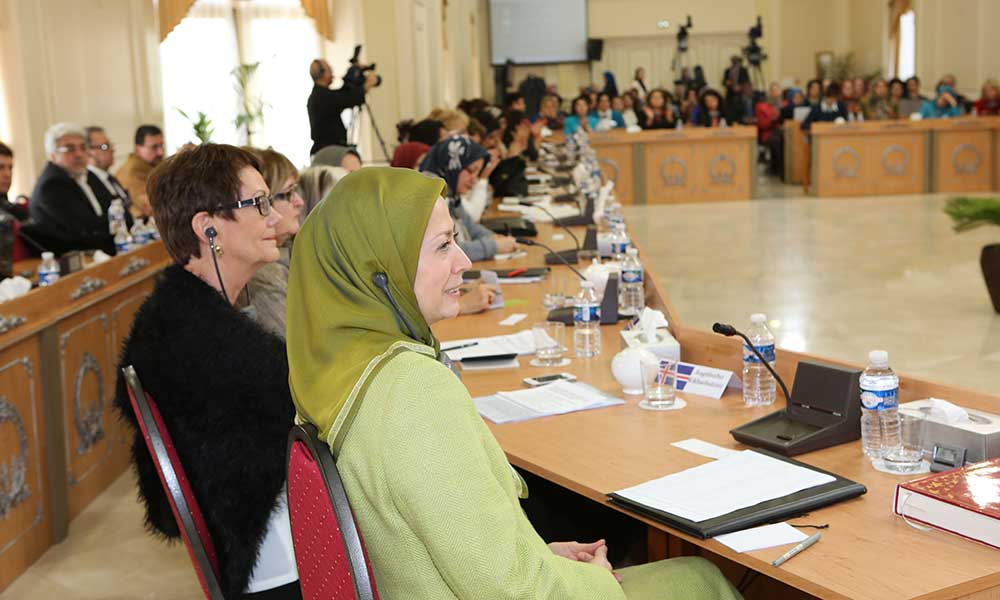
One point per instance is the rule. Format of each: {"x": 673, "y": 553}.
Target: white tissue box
{"x": 980, "y": 436}
{"x": 665, "y": 345}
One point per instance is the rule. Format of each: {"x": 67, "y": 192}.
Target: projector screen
{"x": 533, "y": 31}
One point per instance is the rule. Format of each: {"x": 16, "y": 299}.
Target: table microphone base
{"x": 568, "y": 255}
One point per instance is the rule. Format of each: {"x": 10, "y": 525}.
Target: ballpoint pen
{"x": 809, "y": 541}
{"x": 460, "y": 346}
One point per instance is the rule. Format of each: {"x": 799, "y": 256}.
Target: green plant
{"x": 202, "y": 126}
{"x": 969, "y": 213}
{"x": 844, "y": 66}
{"x": 253, "y": 106}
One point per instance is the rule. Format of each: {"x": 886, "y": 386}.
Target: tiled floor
{"x": 837, "y": 276}
{"x": 107, "y": 555}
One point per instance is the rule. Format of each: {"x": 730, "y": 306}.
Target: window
{"x": 906, "y": 58}
{"x": 198, "y": 58}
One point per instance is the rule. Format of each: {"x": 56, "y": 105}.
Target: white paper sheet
{"x": 758, "y": 538}
{"x": 724, "y": 485}
{"x": 520, "y": 343}
{"x": 556, "y": 398}
{"x": 514, "y": 319}
{"x": 704, "y": 448}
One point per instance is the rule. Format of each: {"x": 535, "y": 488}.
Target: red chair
{"x": 329, "y": 551}
{"x": 182, "y": 501}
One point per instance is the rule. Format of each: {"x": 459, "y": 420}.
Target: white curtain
{"x": 198, "y": 58}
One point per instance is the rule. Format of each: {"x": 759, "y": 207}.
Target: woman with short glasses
{"x": 219, "y": 379}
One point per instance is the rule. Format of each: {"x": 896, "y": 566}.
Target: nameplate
{"x": 704, "y": 381}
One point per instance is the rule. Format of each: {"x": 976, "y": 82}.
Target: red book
{"x": 963, "y": 501}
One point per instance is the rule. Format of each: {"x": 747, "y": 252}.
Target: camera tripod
{"x": 355, "y": 128}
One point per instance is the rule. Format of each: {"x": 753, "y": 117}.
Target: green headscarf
{"x": 340, "y": 326}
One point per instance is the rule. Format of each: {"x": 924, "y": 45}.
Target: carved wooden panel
{"x": 670, "y": 173}
{"x": 25, "y": 522}
{"x": 87, "y": 375}
{"x": 122, "y": 309}
{"x": 843, "y": 166}
{"x": 963, "y": 160}
{"x": 616, "y": 165}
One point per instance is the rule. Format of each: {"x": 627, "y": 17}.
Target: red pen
{"x": 516, "y": 272}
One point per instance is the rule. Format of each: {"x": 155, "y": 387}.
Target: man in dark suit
{"x": 13, "y": 208}
{"x": 67, "y": 212}
{"x": 325, "y": 105}
{"x": 100, "y": 157}
{"x": 829, "y": 108}
{"x": 735, "y": 77}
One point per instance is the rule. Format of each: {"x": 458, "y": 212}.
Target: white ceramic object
{"x": 625, "y": 368}
{"x": 598, "y": 272}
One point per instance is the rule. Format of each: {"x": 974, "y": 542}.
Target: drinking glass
{"x": 550, "y": 339}
{"x": 658, "y": 379}
{"x": 554, "y": 291}
{"x": 909, "y": 455}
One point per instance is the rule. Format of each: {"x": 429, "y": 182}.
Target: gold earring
{"x": 218, "y": 250}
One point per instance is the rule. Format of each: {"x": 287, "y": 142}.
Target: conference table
{"x": 61, "y": 443}
{"x": 867, "y": 552}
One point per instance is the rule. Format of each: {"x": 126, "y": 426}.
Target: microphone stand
{"x": 729, "y": 331}
{"x": 566, "y": 256}
{"x": 529, "y": 242}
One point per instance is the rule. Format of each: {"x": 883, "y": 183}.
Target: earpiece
{"x": 381, "y": 281}
{"x": 211, "y": 233}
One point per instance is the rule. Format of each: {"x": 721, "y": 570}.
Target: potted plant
{"x": 969, "y": 213}
{"x": 201, "y": 126}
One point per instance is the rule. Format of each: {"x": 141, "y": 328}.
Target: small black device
{"x": 946, "y": 458}
{"x": 211, "y": 234}
{"x": 70, "y": 262}
{"x": 356, "y": 73}
{"x": 563, "y": 256}
{"x": 824, "y": 410}
{"x": 515, "y": 226}
{"x": 544, "y": 379}
{"x": 381, "y": 281}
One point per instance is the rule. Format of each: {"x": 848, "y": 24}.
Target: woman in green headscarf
{"x": 375, "y": 265}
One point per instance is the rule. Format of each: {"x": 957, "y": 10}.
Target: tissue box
{"x": 665, "y": 345}
{"x": 980, "y": 436}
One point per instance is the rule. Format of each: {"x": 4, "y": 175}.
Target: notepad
{"x": 758, "y": 538}
{"x": 724, "y": 486}
{"x": 520, "y": 343}
{"x": 556, "y": 398}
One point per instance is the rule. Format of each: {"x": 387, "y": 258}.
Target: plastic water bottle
{"x": 587, "y": 322}
{"x": 123, "y": 242}
{"x": 154, "y": 232}
{"x": 633, "y": 295}
{"x": 116, "y": 216}
{"x": 879, "y": 404}
{"x": 758, "y": 383}
{"x": 613, "y": 215}
{"x": 619, "y": 242}
{"x": 140, "y": 237}
{"x": 48, "y": 270}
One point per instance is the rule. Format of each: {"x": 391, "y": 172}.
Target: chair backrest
{"x": 182, "y": 501}
{"x": 329, "y": 551}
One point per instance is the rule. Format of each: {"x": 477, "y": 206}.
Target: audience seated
{"x": 658, "y": 112}
{"x": 829, "y": 110}
{"x": 607, "y": 117}
{"x": 514, "y": 101}
{"x": 268, "y": 287}
{"x": 378, "y": 379}
{"x": 708, "y": 113}
{"x": 897, "y": 91}
{"x": 101, "y": 155}
{"x": 794, "y": 98}
{"x": 581, "y": 117}
{"x": 133, "y": 174}
{"x": 625, "y": 107}
{"x": 767, "y": 116}
{"x": 518, "y": 137}
{"x": 492, "y": 139}
{"x": 226, "y": 403}
{"x": 638, "y": 84}
{"x": 549, "y": 113}
{"x": 913, "y": 89}
{"x": 989, "y": 100}
{"x": 314, "y": 185}
{"x": 346, "y": 157}
{"x": 814, "y": 92}
{"x": 944, "y": 105}
{"x": 15, "y": 209}
{"x": 878, "y": 105}
{"x": 455, "y": 121}
{"x": 460, "y": 163}
{"x": 68, "y": 214}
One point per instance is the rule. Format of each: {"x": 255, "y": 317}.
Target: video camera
{"x": 753, "y": 51}
{"x": 356, "y": 73}
{"x": 682, "y": 35}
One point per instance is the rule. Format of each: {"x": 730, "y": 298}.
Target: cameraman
{"x": 325, "y": 105}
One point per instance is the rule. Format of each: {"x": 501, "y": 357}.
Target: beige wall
{"x": 88, "y": 61}
{"x": 957, "y": 37}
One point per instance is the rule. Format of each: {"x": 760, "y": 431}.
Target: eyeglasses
{"x": 66, "y": 149}
{"x": 283, "y": 196}
{"x": 263, "y": 204}
{"x": 108, "y": 146}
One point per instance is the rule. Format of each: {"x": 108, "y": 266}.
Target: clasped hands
{"x": 595, "y": 553}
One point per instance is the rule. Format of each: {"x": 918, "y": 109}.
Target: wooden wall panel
{"x": 963, "y": 160}
{"x": 122, "y": 311}
{"x": 25, "y": 522}
{"x": 616, "y": 165}
{"x": 843, "y": 166}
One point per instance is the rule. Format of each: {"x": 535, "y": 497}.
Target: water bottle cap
{"x": 878, "y": 358}
{"x": 758, "y": 318}
{"x": 48, "y": 256}
{"x": 586, "y": 284}
{"x": 632, "y": 251}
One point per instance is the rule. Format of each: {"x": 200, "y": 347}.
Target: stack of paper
{"x": 554, "y": 399}
{"x": 724, "y": 485}
{"x": 520, "y": 343}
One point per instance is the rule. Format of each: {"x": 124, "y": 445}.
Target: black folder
{"x": 772, "y": 511}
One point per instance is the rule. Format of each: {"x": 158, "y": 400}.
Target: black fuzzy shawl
{"x": 221, "y": 384}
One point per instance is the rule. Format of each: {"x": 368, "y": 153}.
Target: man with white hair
{"x": 68, "y": 214}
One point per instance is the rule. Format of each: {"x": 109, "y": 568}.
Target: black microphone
{"x": 381, "y": 281}
{"x": 566, "y": 256}
{"x": 529, "y": 242}
{"x": 729, "y": 331}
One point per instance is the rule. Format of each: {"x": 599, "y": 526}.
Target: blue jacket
{"x": 615, "y": 116}
{"x": 572, "y": 123}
